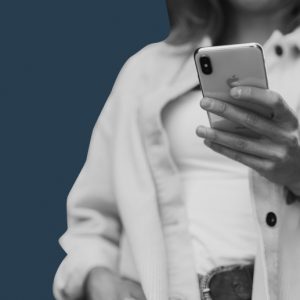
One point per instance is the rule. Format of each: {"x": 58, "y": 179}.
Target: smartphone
{"x": 222, "y": 67}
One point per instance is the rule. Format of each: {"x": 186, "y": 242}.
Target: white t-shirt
{"x": 215, "y": 189}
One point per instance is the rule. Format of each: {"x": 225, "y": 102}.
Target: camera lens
{"x": 205, "y": 64}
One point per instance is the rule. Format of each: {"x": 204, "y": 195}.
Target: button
{"x": 278, "y": 50}
{"x": 271, "y": 219}
{"x": 296, "y": 51}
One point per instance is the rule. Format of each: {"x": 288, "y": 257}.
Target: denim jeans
{"x": 227, "y": 283}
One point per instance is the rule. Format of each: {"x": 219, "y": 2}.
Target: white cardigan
{"x": 125, "y": 210}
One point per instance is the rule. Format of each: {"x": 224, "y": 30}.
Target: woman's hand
{"x": 276, "y": 155}
{"x": 103, "y": 284}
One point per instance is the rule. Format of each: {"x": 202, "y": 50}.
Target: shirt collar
{"x": 289, "y": 43}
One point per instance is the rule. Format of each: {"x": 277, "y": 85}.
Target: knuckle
{"x": 278, "y": 104}
{"x": 269, "y": 167}
{"x": 276, "y": 99}
{"x": 296, "y": 123}
{"x": 284, "y": 155}
{"x": 214, "y": 136}
{"x": 241, "y": 144}
{"x": 252, "y": 119}
{"x": 247, "y": 91}
{"x": 293, "y": 141}
{"x": 280, "y": 156}
{"x": 211, "y": 135}
{"x": 220, "y": 106}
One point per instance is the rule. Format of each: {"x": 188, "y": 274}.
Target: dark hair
{"x": 192, "y": 19}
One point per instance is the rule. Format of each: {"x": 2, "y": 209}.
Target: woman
{"x": 154, "y": 213}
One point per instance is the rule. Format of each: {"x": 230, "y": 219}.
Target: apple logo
{"x": 231, "y": 80}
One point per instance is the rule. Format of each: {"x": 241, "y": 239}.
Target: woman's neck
{"x": 244, "y": 26}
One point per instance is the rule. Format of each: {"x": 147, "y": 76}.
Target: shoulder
{"x": 146, "y": 59}
{"x": 147, "y": 67}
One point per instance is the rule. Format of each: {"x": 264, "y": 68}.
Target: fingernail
{"x": 235, "y": 83}
{"x": 201, "y": 131}
{"x": 236, "y": 92}
{"x": 205, "y": 102}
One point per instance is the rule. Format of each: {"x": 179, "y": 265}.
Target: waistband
{"x": 232, "y": 282}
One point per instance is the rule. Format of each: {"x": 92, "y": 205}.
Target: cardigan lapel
{"x": 181, "y": 270}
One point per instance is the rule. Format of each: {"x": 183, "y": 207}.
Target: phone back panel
{"x": 242, "y": 63}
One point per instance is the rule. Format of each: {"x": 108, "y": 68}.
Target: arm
{"x": 94, "y": 227}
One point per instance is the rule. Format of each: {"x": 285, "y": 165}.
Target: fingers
{"x": 102, "y": 284}
{"x": 258, "y": 164}
{"x": 254, "y": 122}
{"x": 267, "y": 98}
{"x": 261, "y": 148}
{"x": 131, "y": 290}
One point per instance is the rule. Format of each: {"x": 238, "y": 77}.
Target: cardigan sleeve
{"x": 94, "y": 227}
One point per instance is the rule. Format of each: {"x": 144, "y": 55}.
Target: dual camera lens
{"x": 205, "y": 64}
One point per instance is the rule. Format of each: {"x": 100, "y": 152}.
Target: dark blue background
{"x": 58, "y": 62}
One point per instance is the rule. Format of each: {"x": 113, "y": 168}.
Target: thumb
{"x": 131, "y": 290}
